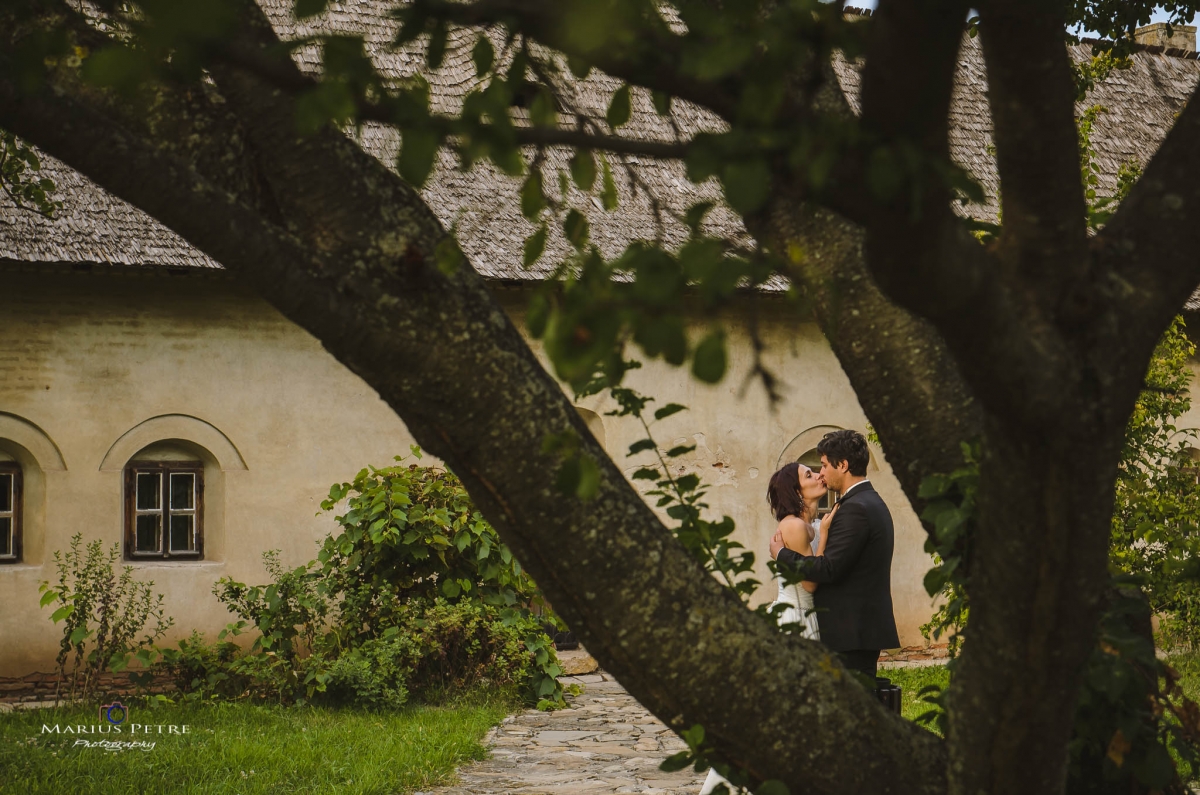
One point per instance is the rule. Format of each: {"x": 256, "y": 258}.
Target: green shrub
{"x": 372, "y": 676}
{"x": 289, "y": 612}
{"x": 103, "y": 614}
{"x": 415, "y": 594}
{"x": 412, "y": 533}
{"x": 201, "y": 668}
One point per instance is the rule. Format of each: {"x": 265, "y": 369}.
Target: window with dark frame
{"x": 164, "y": 510}
{"x": 10, "y": 512}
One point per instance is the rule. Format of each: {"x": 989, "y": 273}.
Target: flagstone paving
{"x": 605, "y": 742}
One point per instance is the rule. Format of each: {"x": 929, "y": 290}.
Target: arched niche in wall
{"x": 805, "y": 443}
{"x": 166, "y": 441}
{"x": 24, "y": 444}
{"x": 594, "y": 422}
{"x": 181, "y": 427}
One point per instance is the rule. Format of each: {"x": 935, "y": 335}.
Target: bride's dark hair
{"x": 783, "y": 492}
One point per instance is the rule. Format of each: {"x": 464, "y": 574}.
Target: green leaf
{"x": 772, "y": 787}
{"x": 747, "y": 184}
{"x": 484, "y": 55}
{"x": 535, "y": 245}
{"x": 448, "y": 255}
{"x": 569, "y": 475}
{"x": 116, "y": 67}
{"x": 437, "y": 46}
{"x": 450, "y": 588}
{"x": 639, "y": 446}
{"x": 48, "y": 597}
{"x": 537, "y": 315}
{"x": 608, "y": 187}
{"x": 668, "y": 410}
{"x": 709, "y": 362}
{"x": 583, "y": 169}
{"x": 662, "y": 102}
{"x": 619, "y": 109}
{"x": 589, "y": 478}
{"x": 543, "y": 112}
{"x": 62, "y": 613}
{"x": 309, "y": 8}
{"x": 533, "y": 201}
{"x": 79, "y": 634}
{"x": 676, "y": 762}
{"x": 578, "y": 66}
{"x": 695, "y": 215}
{"x": 576, "y": 228}
{"x": 417, "y": 153}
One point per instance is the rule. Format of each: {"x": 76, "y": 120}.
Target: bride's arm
{"x": 824, "y": 531}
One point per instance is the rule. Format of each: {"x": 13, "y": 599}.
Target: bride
{"x": 793, "y": 494}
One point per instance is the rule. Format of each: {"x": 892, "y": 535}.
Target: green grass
{"x": 246, "y": 749}
{"x": 911, "y": 680}
{"x": 1187, "y": 664}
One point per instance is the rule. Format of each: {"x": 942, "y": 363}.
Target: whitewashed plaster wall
{"x": 95, "y": 366}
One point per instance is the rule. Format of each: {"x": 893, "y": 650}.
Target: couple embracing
{"x": 845, "y": 600}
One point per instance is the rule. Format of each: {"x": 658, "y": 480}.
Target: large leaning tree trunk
{"x": 1037, "y": 344}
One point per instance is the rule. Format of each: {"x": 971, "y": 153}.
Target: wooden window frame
{"x": 165, "y": 468}
{"x": 18, "y": 504}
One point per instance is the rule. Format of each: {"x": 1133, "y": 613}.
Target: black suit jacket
{"x": 854, "y": 600}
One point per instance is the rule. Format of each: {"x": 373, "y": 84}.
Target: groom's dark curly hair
{"x": 848, "y": 446}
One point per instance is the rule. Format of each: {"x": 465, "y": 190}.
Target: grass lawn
{"x": 1188, "y": 667}
{"x": 246, "y": 749}
{"x": 911, "y": 680}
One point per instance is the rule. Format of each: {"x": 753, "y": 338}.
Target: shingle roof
{"x": 95, "y": 227}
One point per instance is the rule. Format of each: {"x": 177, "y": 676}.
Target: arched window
{"x": 164, "y": 503}
{"x": 11, "y": 498}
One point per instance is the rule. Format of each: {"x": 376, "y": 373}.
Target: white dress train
{"x": 799, "y": 611}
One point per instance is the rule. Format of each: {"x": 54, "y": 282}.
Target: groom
{"x": 854, "y": 600}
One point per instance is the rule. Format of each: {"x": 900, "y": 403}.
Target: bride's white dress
{"x": 799, "y": 610}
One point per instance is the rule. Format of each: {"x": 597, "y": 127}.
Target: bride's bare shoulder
{"x": 795, "y": 533}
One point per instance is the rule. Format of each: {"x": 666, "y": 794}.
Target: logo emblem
{"x": 115, "y": 713}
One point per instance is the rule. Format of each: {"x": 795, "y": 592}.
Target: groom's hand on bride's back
{"x": 776, "y": 544}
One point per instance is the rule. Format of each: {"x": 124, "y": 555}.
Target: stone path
{"x": 604, "y": 743}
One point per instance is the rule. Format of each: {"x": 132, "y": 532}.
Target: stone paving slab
{"x": 604, "y": 743}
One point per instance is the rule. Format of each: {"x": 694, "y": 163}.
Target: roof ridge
{"x": 1152, "y": 49}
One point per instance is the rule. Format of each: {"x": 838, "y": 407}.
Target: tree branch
{"x": 445, "y": 356}
{"x": 646, "y": 53}
{"x": 1032, "y": 97}
{"x": 281, "y": 72}
{"x": 897, "y": 187}
{"x": 1147, "y": 252}
{"x": 904, "y": 377}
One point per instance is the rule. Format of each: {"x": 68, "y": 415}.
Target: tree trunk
{"x": 1045, "y": 507}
